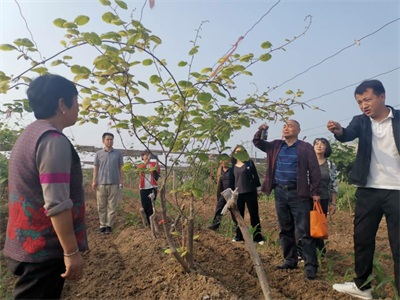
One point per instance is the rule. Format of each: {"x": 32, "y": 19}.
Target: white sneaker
{"x": 351, "y": 289}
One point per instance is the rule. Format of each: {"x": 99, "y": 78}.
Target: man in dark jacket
{"x": 294, "y": 173}
{"x": 376, "y": 172}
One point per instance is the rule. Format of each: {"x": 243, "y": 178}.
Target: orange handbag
{"x": 318, "y": 222}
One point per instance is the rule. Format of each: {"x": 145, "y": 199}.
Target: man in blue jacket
{"x": 376, "y": 172}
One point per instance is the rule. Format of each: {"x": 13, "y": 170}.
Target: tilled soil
{"x": 130, "y": 264}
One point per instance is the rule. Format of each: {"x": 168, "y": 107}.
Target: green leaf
{"x": 67, "y": 57}
{"x": 197, "y": 193}
{"x": 24, "y": 42}
{"x": 69, "y": 25}
{"x": 155, "y": 79}
{"x": 185, "y": 84}
{"x": 194, "y": 50}
{"x": 94, "y": 120}
{"x": 206, "y": 70}
{"x": 40, "y": 70}
{"x": 168, "y": 251}
{"x": 147, "y": 62}
{"x": 155, "y": 39}
{"x": 111, "y": 35}
{"x": 247, "y": 57}
{"x": 59, "y": 22}
{"x": 56, "y": 62}
{"x": 134, "y": 38}
{"x": 265, "y": 57}
{"x": 105, "y": 2}
{"x": 140, "y": 100}
{"x": 196, "y": 237}
{"x": 92, "y": 38}
{"x": 7, "y": 47}
{"x": 121, "y": 4}
{"x": 75, "y": 69}
{"x": 204, "y": 98}
{"x": 266, "y": 45}
{"x": 81, "y": 20}
{"x": 241, "y": 155}
{"x": 108, "y": 17}
{"x": 182, "y": 63}
{"x": 143, "y": 84}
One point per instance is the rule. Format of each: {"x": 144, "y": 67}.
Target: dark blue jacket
{"x": 360, "y": 127}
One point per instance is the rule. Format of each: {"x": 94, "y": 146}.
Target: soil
{"x": 131, "y": 264}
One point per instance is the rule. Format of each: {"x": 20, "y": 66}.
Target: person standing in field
{"x": 46, "y": 229}
{"x": 149, "y": 173}
{"x": 107, "y": 182}
{"x": 293, "y": 172}
{"x": 225, "y": 180}
{"x": 376, "y": 172}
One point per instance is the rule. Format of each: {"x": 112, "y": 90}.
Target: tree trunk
{"x": 190, "y": 233}
{"x": 167, "y": 234}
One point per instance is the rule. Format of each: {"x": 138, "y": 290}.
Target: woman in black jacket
{"x": 224, "y": 180}
{"x": 246, "y": 179}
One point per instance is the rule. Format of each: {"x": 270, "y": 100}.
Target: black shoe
{"x": 102, "y": 229}
{"x": 108, "y": 230}
{"x": 213, "y": 227}
{"x": 286, "y": 266}
{"x": 310, "y": 273}
{"x": 259, "y": 238}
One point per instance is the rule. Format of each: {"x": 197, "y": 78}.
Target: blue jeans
{"x": 294, "y": 221}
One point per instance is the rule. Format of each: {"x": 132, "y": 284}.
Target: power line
{"x": 356, "y": 42}
{"x": 350, "y": 85}
{"x": 27, "y": 27}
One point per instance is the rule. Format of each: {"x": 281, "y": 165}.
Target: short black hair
{"x": 375, "y": 85}
{"x": 45, "y": 91}
{"x": 328, "y": 148}
{"x": 107, "y": 134}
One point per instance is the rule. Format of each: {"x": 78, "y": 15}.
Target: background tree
{"x": 343, "y": 155}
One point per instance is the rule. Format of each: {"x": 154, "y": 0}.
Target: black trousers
{"x": 249, "y": 199}
{"x": 294, "y": 221}
{"x": 146, "y": 201}
{"x": 38, "y": 280}
{"x": 371, "y": 205}
{"x": 218, "y": 210}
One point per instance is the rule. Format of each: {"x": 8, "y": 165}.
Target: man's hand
{"x": 263, "y": 127}
{"x": 94, "y": 185}
{"x": 73, "y": 267}
{"x": 335, "y": 128}
{"x": 316, "y": 198}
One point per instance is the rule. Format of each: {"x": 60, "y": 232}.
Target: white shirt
{"x": 384, "y": 171}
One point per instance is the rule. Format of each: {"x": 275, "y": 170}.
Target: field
{"x": 130, "y": 264}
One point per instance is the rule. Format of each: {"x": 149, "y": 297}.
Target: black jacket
{"x": 226, "y": 180}
{"x": 360, "y": 127}
{"x": 251, "y": 179}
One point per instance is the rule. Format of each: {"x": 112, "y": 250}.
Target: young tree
{"x": 193, "y": 114}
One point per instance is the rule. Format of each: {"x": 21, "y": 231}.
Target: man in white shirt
{"x": 376, "y": 172}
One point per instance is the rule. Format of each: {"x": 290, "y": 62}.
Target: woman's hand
{"x": 73, "y": 267}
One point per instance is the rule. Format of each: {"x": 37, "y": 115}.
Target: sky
{"x": 335, "y": 25}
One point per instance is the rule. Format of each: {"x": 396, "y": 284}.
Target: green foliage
{"x": 343, "y": 155}
{"x": 8, "y": 137}
{"x": 3, "y": 171}
{"x": 346, "y": 197}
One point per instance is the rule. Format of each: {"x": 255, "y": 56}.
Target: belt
{"x": 287, "y": 187}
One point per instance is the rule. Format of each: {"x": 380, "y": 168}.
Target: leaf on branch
{"x": 24, "y": 42}
{"x": 204, "y": 98}
{"x": 108, "y": 17}
{"x": 140, "y": 100}
{"x": 121, "y": 4}
{"x": 7, "y": 47}
{"x": 155, "y": 79}
{"x": 67, "y": 57}
{"x": 143, "y": 84}
{"x": 266, "y": 45}
{"x": 134, "y": 39}
{"x": 206, "y": 70}
{"x": 265, "y": 57}
{"x": 147, "y": 62}
{"x": 247, "y": 57}
{"x": 105, "y": 2}
{"x": 111, "y": 35}
{"x": 155, "y": 39}
{"x": 182, "y": 63}
{"x": 81, "y": 20}
{"x": 40, "y": 70}
{"x": 69, "y": 25}
{"x": 194, "y": 50}
{"x": 59, "y": 22}
{"x": 168, "y": 251}
{"x": 92, "y": 38}
{"x": 56, "y": 62}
